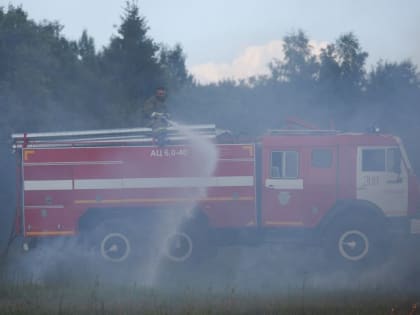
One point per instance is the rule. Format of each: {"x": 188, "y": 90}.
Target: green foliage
{"x": 299, "y": 64}
{"x": 391, "y": 77}
{"x": 35, "y": 63}
{"x": 172, "y": 62}
{"x": 86, "y": 49}
{"x": 351, "y": 59}
{"x": 342, "y": 76}
{"x": 131, "y": 63}
{"x": 131, "y": 68}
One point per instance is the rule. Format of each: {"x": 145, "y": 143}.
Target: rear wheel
{"x": 179, "y": 247}
{"x": 191, "y": 243}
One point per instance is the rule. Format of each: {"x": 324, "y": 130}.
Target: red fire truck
{"x": 353, "y": 193}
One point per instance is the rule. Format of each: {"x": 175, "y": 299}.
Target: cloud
{"x": 252, "y": 61}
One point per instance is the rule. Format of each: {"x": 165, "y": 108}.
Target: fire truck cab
{"x": 358, "y": 191}
{"x": 305, "y": 176}
{"x": 353, "y": 193}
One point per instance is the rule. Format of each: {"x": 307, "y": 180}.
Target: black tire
{"x": 356, "y": 242}
{"x": 190, "y": 244}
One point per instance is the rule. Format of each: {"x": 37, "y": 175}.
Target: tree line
{"x": 51, "y": 83}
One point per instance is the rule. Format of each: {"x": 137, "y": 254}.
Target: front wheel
{"x": 353, "y": 245}
{"x": 356, "y": 243}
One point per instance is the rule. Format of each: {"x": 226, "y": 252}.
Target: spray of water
{"x": 204, "y": 149}
{"x": 205, "y": 156}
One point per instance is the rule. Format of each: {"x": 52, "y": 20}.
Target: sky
{"x": 238, "y": 38}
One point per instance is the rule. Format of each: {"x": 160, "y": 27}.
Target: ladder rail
{"x": 64, "y": 134}
{"x": 172, "y": 140}
{"x": 107, "y": 136}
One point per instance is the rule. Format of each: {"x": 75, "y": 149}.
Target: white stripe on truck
{"x": 58, "y": 184}
{"x": 127, "y": 183}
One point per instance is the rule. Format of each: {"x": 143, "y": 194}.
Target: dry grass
{"x": 100, "y": 298}
{"x": 224, "y": 286}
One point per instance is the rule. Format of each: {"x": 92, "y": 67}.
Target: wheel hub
{"x": 353, "y": 245}
{"x": 115, "y": 247}
{"x": 179, "y": 247}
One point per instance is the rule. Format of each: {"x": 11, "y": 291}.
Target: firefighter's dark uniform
{"x": 158, "y": 122}
{"x": 153, "y": 104}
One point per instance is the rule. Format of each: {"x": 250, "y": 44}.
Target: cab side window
{"x": 284, "y": 164}
{"x": 381, "y": 160}
{"x": 373, "y": 160}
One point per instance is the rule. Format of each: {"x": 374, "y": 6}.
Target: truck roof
{"x": 146, "y": 136}
{"x": 326, "y": 137}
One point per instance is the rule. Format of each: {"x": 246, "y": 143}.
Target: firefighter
{"x": 155, "y": 112}
{"x": 155, "y": 116}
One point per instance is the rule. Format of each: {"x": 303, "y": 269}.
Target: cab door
{"x": 282, "y": 187}
{"x": 382, "y": 179}
{"x": 320, "y": 175}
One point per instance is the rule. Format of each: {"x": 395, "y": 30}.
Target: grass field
{"x": 235, "y": 282}
{"x": 98, "y": 298}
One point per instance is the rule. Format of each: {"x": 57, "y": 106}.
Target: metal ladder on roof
{"x": 103, "y": 137}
